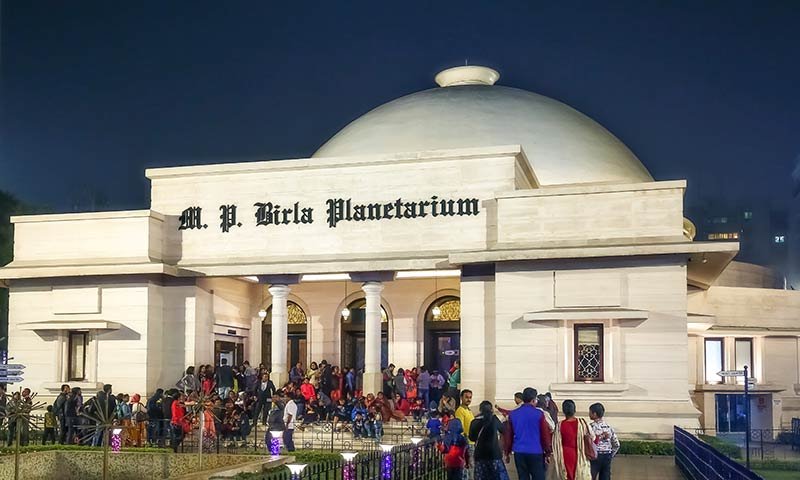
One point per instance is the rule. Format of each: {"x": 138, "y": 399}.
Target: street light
{"x": 349, "y": 468}
{"x": 386, "y": 461}
{"x": 296, "y": 469}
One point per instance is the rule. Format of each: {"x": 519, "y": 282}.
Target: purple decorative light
{"x": 349, "y": 468}
{"x": 386, "y": 462}
{"x": 275, "y": 442}
{"x": 116, "y": 440}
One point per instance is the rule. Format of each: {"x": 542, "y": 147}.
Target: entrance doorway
{"x": 231, "y": 351}
{"x": 353, "y": 341}
{"x": 296, "y": 341}
{"x": 443, "y": 333}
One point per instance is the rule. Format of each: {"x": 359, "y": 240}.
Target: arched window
{"x": 358, "y": 312}
{"x": 444, "y": 309}
{"x": 296, "y": 314}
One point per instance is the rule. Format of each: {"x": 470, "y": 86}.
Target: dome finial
{"x": 467, "y": 75}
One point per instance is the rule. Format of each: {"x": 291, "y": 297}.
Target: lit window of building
{"x": 779, "y": 239}
{"x": 724, "y": 236}
{"x": 748, "y": 215}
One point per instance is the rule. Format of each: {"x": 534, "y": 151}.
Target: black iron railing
{"x": 700, "y": 461}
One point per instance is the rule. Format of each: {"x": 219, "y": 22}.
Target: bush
{"x": 641, "y": 447}
{"x": 726, "y": 448}
{"x": 47, "y": 448}
{"x": 314, "y": 456}
{"x": 782, "y": 465}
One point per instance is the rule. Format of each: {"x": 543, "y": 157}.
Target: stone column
{"x": 372, "y": 337}
{"x": 477, "y": 354}
{"x": 279, "y": 372}
{"x": 254, "y": 342}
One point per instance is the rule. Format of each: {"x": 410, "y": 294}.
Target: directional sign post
{"x": 11, "y": 373}
{"x": 749, "y": 382}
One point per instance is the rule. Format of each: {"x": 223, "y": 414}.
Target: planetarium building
{"x": 471, "y": 221}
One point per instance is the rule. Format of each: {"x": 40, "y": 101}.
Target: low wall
{"x": 75, "y": 465}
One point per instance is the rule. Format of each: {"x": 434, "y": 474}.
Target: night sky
{"x": 95, "y": 92}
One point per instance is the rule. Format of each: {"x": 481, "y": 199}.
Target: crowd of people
{"x": 228, "y": 400}
{"x": 542, "y": 445}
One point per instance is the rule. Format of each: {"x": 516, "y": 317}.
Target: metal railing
{"x": 765, "y": 443}
{"x": 700, "y": 461}
{"x": 405, "y": 462}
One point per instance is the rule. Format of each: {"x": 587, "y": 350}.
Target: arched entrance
{"x": 296, "y": 338}
{"x": 443, "y": 333}
{"x": 353, "y": 346}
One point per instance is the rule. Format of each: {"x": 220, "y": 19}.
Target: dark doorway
{"x": 442, "y": 348}
{"x": 353, "y": 342}
{"x": 233, "y": 352}
{"x": 443, "y": 333}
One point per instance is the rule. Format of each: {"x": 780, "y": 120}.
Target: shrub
{"x": 726, "y": 448}
{"x": 782, "y": 465}
{"x": 642, "y": 447}
{"x": 47, "y": 448}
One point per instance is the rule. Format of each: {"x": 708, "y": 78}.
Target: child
{"x": 416, "y": 409}
{"x": 434, "y": 426}
{"x": 340, "y": 414}
{"x": 375, "y": 422}
{"x": 454, "y": 447}
{"x": 605, "y": 440}
{"x": 49, "y": 426}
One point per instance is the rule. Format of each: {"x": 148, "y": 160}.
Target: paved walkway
{"x": 636, "y": 468}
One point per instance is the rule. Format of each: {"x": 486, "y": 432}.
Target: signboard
{"x": 10, "y": 379}
{"x": 731, "y": 373}
{"x": 13, "y": 366}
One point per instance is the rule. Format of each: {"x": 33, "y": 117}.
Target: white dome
{"x": 562, "y": 144}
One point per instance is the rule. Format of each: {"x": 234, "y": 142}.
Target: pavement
{"x": 635, "y": 467}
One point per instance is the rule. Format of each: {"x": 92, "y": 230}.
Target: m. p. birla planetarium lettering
{"x": 338, "y": 210}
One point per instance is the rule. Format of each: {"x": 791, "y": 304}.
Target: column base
{"x": 279, "y": 379}
{"x": 373, "y": 382}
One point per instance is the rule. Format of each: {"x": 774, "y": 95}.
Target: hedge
{"x": 642, "y": 447}
{"x": 726, "y": 448}
{"x": 4, "y": 450}
{"x": 782, "y": 465}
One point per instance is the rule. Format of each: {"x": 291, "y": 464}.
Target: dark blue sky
{"x": 94, "y": 92}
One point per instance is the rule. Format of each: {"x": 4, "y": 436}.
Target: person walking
{"x": 388, "y": 382}
{"x": 264, "y": 392}
{"x": 454, "y": 448}
{"x": 605, "y": 440}
{"x": 140, "y": 419}
{"x": 155, "y": 414}
{"x": 73, "y": 408}
{"x": 289, "y": 417}
{"x": 223, "y": 377}
{"x": 484, "y": 431}
{"x": 399, "y": 384}
{"x": 188, "y": 382}
{"x": 437, "y": 386}
{"x": 528, "y": 437}
{"x": 465, "y": 416}
{"x": 424, "y": 387}
{"x": 59, "y": 410}
{"x": 570, "y": 460}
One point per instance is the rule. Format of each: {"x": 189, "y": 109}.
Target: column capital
{"x": 372, "y": 287}
{"x": 279, "y": 291}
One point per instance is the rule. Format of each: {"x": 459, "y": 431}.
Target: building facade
{"x": 470, "y": 221}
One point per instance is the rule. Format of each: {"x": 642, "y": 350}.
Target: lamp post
{"x": 116, "y": 440}
{"x": 296, "y": 469}
{"x": 275, "y": 442}
{"x": 349, "y": 468}
{"x": 386, "y": 462}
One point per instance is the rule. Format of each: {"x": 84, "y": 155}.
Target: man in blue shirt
{"x": 528, "y": 437}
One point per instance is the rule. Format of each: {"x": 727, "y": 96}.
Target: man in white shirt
{"x": 289, "y": 416}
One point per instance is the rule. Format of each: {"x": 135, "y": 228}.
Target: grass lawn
{"x": 777, "y": 474}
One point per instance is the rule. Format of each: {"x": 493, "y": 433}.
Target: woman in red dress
{"x": 569, "y": 457}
